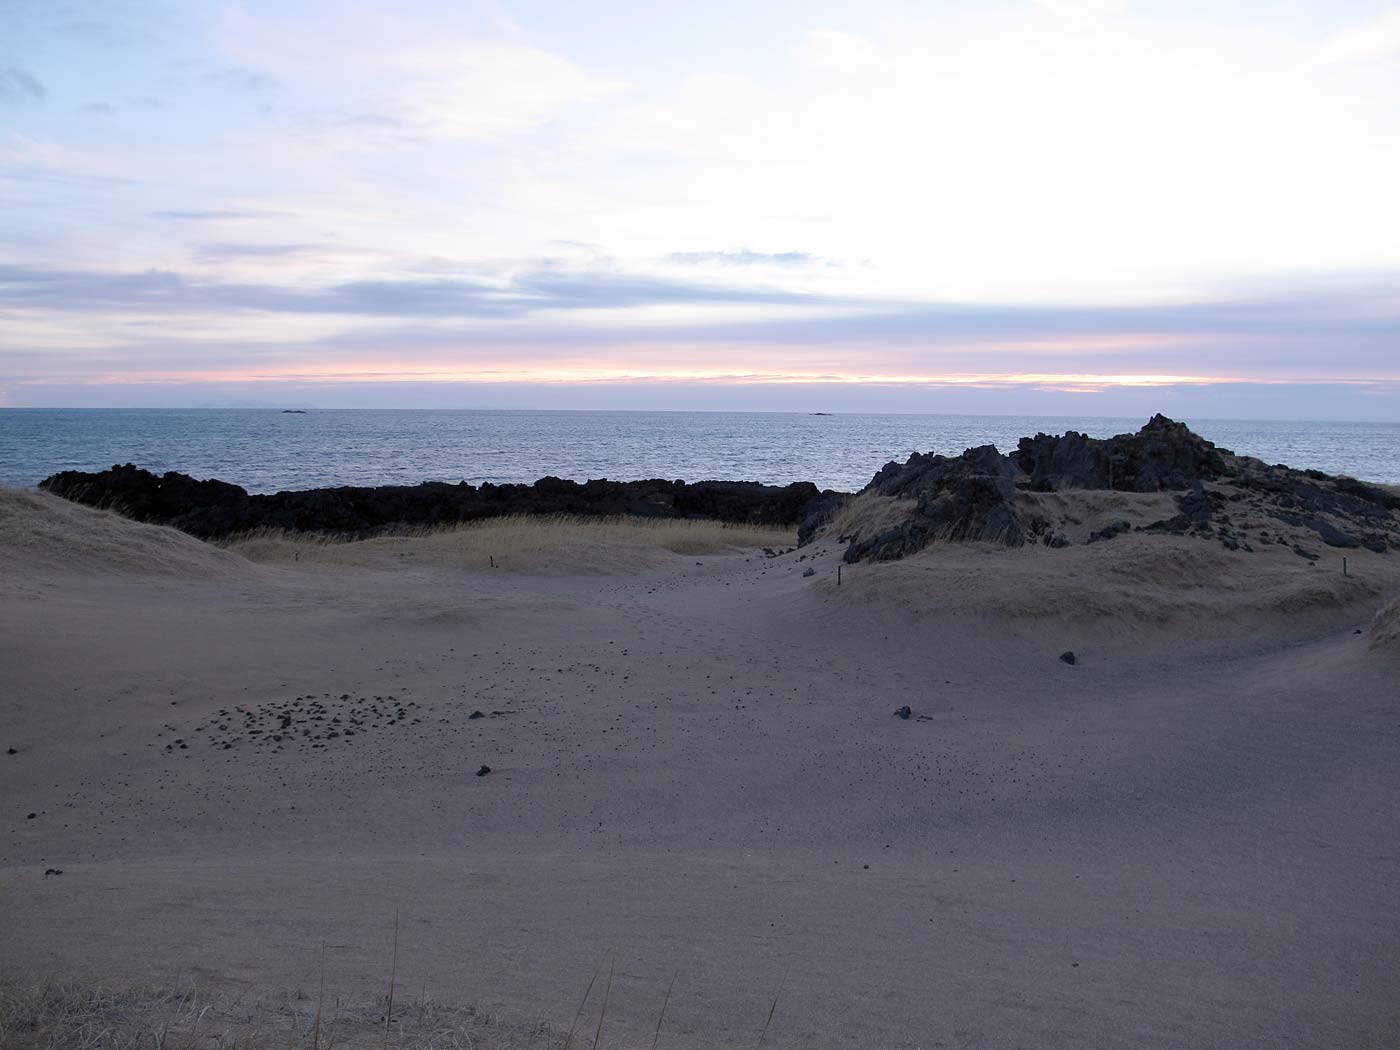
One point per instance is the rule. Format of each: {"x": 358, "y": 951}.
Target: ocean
{"x": 266, "y": 450}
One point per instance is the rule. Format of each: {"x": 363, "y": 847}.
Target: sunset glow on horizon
{"x": 1020, "y": 206}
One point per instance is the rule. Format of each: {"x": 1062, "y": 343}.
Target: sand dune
{"x": 44, "y": 538}
{"x": 1154, "y": 587}
{"x": 695, "y": 768}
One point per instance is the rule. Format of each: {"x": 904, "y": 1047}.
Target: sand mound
{"x": 1385, "y": 628}
{"x": 1138, "y": 585}
{"x": 44, "y": 539}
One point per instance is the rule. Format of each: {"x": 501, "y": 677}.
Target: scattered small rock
{"x": 31, "y": 816}
{"x": 1068, "y": 657}
{"x": 904, "y": 712}
{"x": 809, "y": 571}
{"x": 52, "y": 871}
{"x": 483, "y": 771}
{"x": 11, "y": 751}
{"x": 476, "y": 714}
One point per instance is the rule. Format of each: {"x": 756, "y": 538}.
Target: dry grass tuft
{"x": 81, "y": 1017}
{"x": 520, "y": 543}
{"x": 1385, "y": 628}
{"x": 868, "y": 513}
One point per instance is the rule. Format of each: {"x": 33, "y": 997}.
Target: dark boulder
{"x": 958, "y": 498}
{"x": 817, "y": 512}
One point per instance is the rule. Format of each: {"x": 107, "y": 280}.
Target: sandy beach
{"x": 1183, "y": 839}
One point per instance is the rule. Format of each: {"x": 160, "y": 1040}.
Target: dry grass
{"x": 867, "y": 513}
{"x": 85, "y": 1017}
{"x": 1385, "y": 629}
{"x": 521, "y": 543}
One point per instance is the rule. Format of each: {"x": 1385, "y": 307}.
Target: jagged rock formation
{"x": 213, "y": 508}
{"x": 1028, "y": 496}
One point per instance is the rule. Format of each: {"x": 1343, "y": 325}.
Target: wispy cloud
{"x": 211, "y": 214}
{"x": 19, "y": 85}
{"x": 253, "y": 251}
{"x": 744, "y": 257}
{"x": 241, "y": 80}
{"x": 525, "y": 293}
{"x": 1373, "y": 38}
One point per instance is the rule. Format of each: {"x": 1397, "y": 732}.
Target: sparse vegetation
{"x": 868, "y": 511}
{"x": 520, "y": 542}
{"x": 49, "y": 1016}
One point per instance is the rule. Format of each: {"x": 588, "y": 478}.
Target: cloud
{"x": 743, "y": 257}
{"x": 197, "y": 215}
{"x": 28, "y": 159}
{"x": 253, "y": 251}
{"x": 18, "y": 85}
{"x": 1082, "y": 10}
{"x": 829, "y": 49}
{"x": 98, "y": 109}
{"x": 1366, "y": 40}
{"x": 485, "y": 89}
{"x": 241, "y": 80}
{"x": 527, "y": 293}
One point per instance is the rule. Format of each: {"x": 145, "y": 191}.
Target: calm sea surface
{"x": 265, "y": 450}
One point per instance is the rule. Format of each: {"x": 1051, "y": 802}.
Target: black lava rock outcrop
{"x": 986, "y": 496}
{"x": 211, "y": 509}
{"x": 1162, "y": 455}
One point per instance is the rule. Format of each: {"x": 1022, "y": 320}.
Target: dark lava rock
{"x": 1164, "y": 454}
{"x": 475, "y": 714}
{"x": 52, "y": 871}
{"x": 31, "y": 816}
{"x": 1109, "y": 531}
{"x": 960, "y": 498}
{"x": 904, "y": 712}
{"x": 1068, "y": 657}
{"x": 11, "y": 751}
{"x": 214, "y": 508}
{"x": 483, "y": 771}
{"x": 817, "y": 513}
{"x": 809, "y": 571}
{"x": 985, "y": 496}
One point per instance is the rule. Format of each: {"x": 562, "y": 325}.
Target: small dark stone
{"x": 809, "y": 571}
{"x": 476, "y": 714}
{"x": 1068, "y": 657}
{"x": 11, "y": 751}
{"x": 904, "y": 712}
{"x": 31, "y": 816}
{"x": 483, "y": 771}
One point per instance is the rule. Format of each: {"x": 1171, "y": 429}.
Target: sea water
{"x": 266, "y": 450}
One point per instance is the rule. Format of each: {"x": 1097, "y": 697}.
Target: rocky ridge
{"x": 212, "y": 509}
{"x": 983, "y": 495}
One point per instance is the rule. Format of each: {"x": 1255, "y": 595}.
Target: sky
{"x": 1033, "y": 206}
